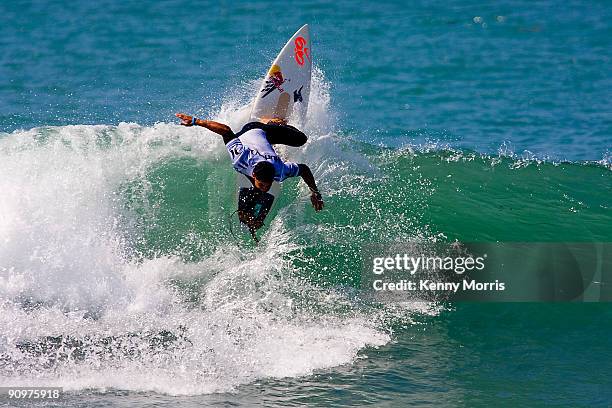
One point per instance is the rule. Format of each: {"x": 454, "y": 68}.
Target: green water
{"x": 124, "y": 279}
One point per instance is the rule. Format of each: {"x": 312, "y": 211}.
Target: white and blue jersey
{"x": 251, "y": 146}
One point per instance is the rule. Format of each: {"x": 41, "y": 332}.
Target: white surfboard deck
{"x": 285, "y": 90}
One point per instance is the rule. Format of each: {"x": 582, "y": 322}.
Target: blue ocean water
{"x": 121, "y": 281}
{"x": 520, "y": 75}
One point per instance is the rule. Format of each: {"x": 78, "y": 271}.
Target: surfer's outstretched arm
{"x": 219, "y": 128}
{"x": 315, "y": 197}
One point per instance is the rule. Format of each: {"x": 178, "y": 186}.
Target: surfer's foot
{"x": 277, "y": 121}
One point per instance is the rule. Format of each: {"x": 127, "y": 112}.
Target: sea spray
{"x": 110, "y": 279}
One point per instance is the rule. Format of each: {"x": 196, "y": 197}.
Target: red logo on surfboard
{"x": 300, "y": 50}
{"x": 274, "y": 81}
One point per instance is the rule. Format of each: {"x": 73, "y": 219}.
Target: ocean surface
{"x": 124, "y": 279}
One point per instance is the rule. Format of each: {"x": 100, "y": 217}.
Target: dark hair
{"x": 264, "y": 171}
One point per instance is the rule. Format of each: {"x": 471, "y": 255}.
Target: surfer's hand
{"x": 317, "y": 201}
{"x": 248, "y": 220}
{"x": 255, "y": 225}
{"x": 186, "y": 120}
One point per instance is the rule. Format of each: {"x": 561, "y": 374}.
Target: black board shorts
{"x": 275, "y": 133}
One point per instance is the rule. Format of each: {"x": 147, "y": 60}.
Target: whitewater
{"x": 85, "y": 304}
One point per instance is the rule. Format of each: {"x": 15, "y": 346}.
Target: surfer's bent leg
{"x": 284, "y": 134}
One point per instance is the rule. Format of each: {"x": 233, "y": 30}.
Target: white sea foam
{"x": 78, "y": 311}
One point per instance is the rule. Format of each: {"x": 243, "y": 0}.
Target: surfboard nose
{"x": 285, "y": 90}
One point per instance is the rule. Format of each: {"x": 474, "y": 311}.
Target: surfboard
{"x": 285, "y": 90}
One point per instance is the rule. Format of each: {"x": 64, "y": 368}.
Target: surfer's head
{"x": 263, "y": 175}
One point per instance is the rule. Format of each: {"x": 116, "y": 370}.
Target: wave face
{"x": 121, "y": 268}
{"x": 118, "y": 268}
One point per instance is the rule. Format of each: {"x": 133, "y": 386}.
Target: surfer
{"x": 252, "y": 154}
